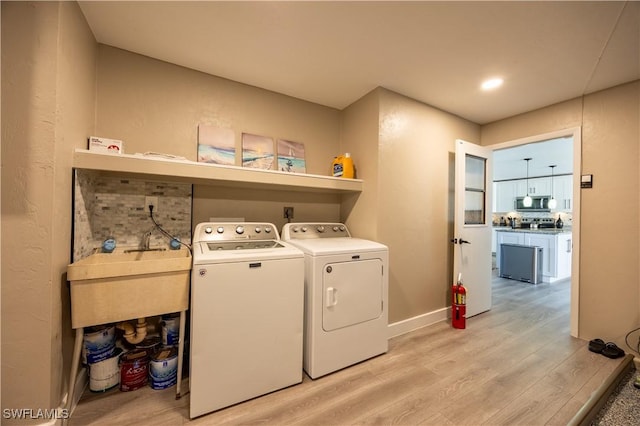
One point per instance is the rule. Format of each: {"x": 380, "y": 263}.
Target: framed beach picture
{"x": 291, "y": 157}
{"x": 257, "y": 151}
{"x": 216, "y": 145}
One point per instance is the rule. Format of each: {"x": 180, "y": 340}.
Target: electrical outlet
{"x": 288, "y": 212}
{"x": 151, "y": 201}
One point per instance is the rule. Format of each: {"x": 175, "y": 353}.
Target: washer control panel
{"x": 292, "y": 231}
{"x": 232, "y": 231}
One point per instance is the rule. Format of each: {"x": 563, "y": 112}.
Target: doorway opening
{"x": 512, "y": 182}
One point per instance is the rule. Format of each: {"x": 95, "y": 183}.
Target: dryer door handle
{"x": 332, "y": 297}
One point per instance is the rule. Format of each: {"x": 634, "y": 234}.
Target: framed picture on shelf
{"x": 216, "y": 145}
{"x": 257, "y": 151}
{"x": 291, "y": 156}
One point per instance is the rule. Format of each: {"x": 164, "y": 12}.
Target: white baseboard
{"x": 410, "y": 324}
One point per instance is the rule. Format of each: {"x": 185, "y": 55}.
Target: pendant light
{"x": 527, "y": 201}
{"x": 553, "y": 203}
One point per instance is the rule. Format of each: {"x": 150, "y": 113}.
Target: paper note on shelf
{"x": 104, "y": 145}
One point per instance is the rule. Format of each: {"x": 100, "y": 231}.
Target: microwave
{"x": 540, "y": 204}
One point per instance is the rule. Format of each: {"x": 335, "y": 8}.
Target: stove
{"x": 543, "y": 223}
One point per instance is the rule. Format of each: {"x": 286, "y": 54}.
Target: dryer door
{"x": 352, "y": 293}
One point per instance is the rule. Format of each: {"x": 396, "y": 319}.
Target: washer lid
{"x": 325, "y": 246}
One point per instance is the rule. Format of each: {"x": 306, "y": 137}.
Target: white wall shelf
{"x": 154, "y": 168}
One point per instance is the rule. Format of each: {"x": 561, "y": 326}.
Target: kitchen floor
{"x": 515, "y": 364}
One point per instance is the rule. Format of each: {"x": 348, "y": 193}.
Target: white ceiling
{"x": 333, "y": 53}
{"x": 510, "y": 164}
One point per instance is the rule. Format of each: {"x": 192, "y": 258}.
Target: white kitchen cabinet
{"x": 504, "y": 195}
{"x": 493, "y": 240}
{"x": 563, "y": 192}
{"x": 536, "y": 186}
{"x": 510, "y": 238}
{"x": 564, "y": 249}
{"x": 556, "y": 254}
{"x": 548, "y": 244}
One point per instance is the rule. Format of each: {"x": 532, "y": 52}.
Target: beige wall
{"x": 263, "y": 206}
{"x": 156, "y": 106}
{"x": 48, "y": 88}
{"x": 609, "y": 304}
{"x": 359, "y": 137}
{"x": 404, "y": 151}
{"x": 416, "y": 170}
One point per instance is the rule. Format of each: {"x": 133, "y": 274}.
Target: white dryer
{"x": 346, "y": 296}
{"x": 247, "y": 298}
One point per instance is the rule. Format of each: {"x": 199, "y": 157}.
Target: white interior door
{"x": 472, "y": 224}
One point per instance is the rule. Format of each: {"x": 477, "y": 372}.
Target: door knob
{"x": 461, "y": 241}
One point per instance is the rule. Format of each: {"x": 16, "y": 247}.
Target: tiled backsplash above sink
{"x": 107, "y": 206}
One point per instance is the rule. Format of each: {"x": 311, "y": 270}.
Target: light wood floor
{"x": 514, "y": 365}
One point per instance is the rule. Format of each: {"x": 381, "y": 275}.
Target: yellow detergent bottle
{"x": 343, "y": 166}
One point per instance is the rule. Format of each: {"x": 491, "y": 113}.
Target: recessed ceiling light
{"x": 491, "y": 84}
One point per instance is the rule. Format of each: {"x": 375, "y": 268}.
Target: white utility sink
{"x": 123, "y": 262}
{"x": 128, "y": 284}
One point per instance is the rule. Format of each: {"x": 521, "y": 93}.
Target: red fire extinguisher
{"x": 459, "y": 306}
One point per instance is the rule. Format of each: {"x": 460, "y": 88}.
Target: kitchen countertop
{"x": 551, "y": 231}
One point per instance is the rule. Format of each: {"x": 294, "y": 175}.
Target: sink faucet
{"x": 146, "y": 239}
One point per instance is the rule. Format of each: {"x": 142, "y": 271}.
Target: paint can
{"x": 99, "y": 343}
{"x": 170, "y": 329}
{"x": 104, "y": 375}
{"x": 134, "y": 368}
{"x": 150, "y": 344}
{"x": 163, "y": 368}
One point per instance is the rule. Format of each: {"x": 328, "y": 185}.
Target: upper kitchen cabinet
{"x": 535, "y": 186}
{"x": 504, "y": 195}
{"x": 563, "y": 193}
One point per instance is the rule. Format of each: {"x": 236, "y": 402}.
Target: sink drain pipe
{"x": 131, "y": 335}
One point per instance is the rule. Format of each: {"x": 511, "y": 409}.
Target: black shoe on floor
{"x": 596, "y": 345}
{"x": 611, "y": 350}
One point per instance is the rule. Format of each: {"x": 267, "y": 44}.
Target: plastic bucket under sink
{"x": 134, "y": 369}
{"x": 163, "y": 368}
{"x": 170, "y": 329}
{"x": 105, "y": 374}
{"x": 99, "y": 343}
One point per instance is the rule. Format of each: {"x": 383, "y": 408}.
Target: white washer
{"x": 247, "y": 298}
{"x": 346, "y": 295}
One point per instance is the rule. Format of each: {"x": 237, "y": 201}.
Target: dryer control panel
{"x": 299, "y": 231}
